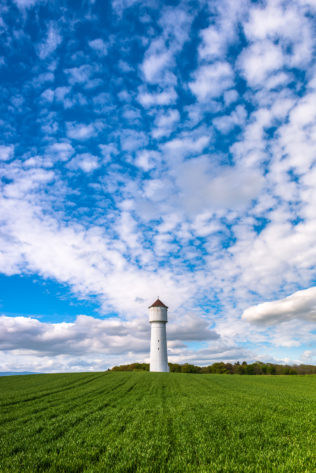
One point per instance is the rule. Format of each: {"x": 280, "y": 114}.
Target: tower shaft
{"x": 158, "y": 347}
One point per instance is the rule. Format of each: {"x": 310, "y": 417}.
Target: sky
{"x": 157, "y": 149}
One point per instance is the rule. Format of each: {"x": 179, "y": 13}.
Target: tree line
{"x": 257, "y": 368}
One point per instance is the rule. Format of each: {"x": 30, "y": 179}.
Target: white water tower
{"x": 158, "y": 341}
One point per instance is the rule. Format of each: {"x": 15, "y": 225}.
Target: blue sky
{"x": 157, "y": 148}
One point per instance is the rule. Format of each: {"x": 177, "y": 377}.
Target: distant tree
{"x": 220, "y": 368}
{"x": 271, "y": 369}
{"x": 132, "y": 367}
{"x": 187, "y": 368}
{"x": 257, "y": 368}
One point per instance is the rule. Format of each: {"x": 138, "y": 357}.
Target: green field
{"x": 157, "y": 422}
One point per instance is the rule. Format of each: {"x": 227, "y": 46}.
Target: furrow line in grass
{"x": 63, "y": 406}
{"x": 50, "y": 393}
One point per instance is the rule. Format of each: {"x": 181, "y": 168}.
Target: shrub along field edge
{"x": 227, "y": 368}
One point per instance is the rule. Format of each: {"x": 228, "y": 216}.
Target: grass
{"x": 157, "y": 422}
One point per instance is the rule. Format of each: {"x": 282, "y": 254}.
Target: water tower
{"x": 158, "y": 341}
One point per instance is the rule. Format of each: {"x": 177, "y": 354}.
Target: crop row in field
{"x": 157, "y": 422}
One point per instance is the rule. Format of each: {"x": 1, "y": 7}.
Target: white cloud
{"x": 84, "y": 161}
{"x": 108, "y": 151}
{"x": 204, "y": 186}
{"x": 47, "y": 95}
{"x": 226, "y": 123}
{"x": 79, "y": 74}
{"x": 60, "y": 150}
{"x": 153, "y": 66}
{"x": 50, "y": 44}
{"x": 191, "y": 327}
{"x": 120, "y": 5}
{"x": 185, "y": 145}
{"x": 270, "y": 21}
{"x": 42, "y": 78}
{"x": 159, "y": 58}
{"x": 132, "y": 140}
{"x": 165, "y": 123}
{"x": 212, "y": 80}
{"x": 124, "y": 66}
{"x": 230, "y": 96}
{"x": 259, "y": 60}
{"x": 222, "y": 32}
{"x": 147, "y": 159}
{"x": 61, "y": 92}
{"x": 91, "y": 343}
{"x": 287, "y": 24}
{"x": 300, "y": 305}
{"x": 27, "y": 3}
{"x": 280, "y": 35}
{"x": 6, "y": 152}
{"x": 166, "y": 97}
{"x": 80, "y": 131}
{"x": 83, "y": 336}
{"x": 99, "y": 46}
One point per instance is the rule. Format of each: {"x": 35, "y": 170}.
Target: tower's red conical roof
{"x": 158, "y": 303}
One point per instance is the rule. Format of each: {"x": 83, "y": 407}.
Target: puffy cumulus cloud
{"x": 100, "y": 342}
{"x": 51, "y": 42}
{"x": 6, "y": 152}
{"x": 297, "y": 137}
{"x": 158, "y": 67}
{"x": 192, "y": 191}
{"x": 211, "y": 80}
{"x": 147, "y": 159}
{"x": 223, "y": 29}
{"x": 21, "y": 182}
{"x": 292, "y": 333}
{"x": 203, "y": 186}
{"x": 280, "y": 36}
{"x": 60, "y": 150}
{"x": 81, "y": 131}
{"x": 99, "y": 46}
{"x": 79, "y": 75}
{"x": 220, "y": 350}
{"x": 260, "y": 60}
{"x": 93, "y": 335}
{"x": 23, "y": 4}
{"x": 85, "y": 335}
{"x": 186, "y": 145}
{"x": 191, "y": 327}
{"x": 154, "y": 99}
{"x": 165, "y": 122}
{"x": 226, "y": 123}
{"x": 300, "y": 305}
{"x": 87, "y": 162}
{"x": 132, "y": 140}
{"x": 47, "y": 95}
{"x": 120, "y": 5}
{"x": 160, "y": 56}
{"x": 61, "y": 92}
{"x": 155, "y": 63}
{"x": 286, "y": 23}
